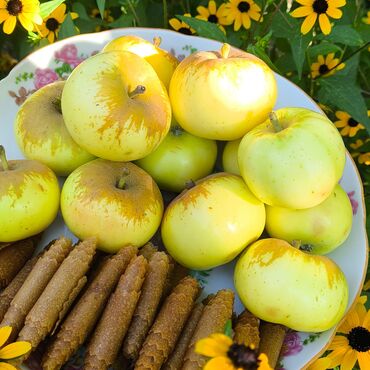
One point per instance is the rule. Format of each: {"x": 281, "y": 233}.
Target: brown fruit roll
{"x": 48, "y": 309}
{"x": 108, "y": 336}
{"x": 7, "y": 295}
{"x": 148, "y": 250}
{"x": 83, "y": 317}
{"x": 147, "y": 306}
{"x": 213, "y": 320}
{"x": 272, "y": 338}
{"x": 176, "y": 358}
{"x": 168, "y": 325}
{"x": 13, "y": 258}
{"x": 246, "y": 330}
{"x": 34, "y": 285}
{"x": 175, "y": 275}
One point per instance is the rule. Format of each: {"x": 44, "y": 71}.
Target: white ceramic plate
{"x": 56, "y": 61}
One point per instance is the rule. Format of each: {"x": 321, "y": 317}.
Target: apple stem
{"x": 275, "y": 122}
{"x": 157, "y": 41}
{"x": 139, "y": 89}
{"x": 57, "y": 102}
{"x": 3, "y": 159}
{"x": 302, "y": 247}
{"x": 225, "y": 50}
{"x": 176, "y": 130}
{"x": 121, "y": 184}
{"x": 296, "y": 243}
{"x": 189, "y": 184}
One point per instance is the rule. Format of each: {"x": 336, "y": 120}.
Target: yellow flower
{"x": 322, "y": 9}
{"x": 26, "y": 11}
{"x": 357, "y": 144}
{"x": 367, "y": 285}
{"x": 349, "y": 126}
{"x": 11, "y": 351}
{"x": 212, "y": 14}
{"x": 240, "y": 13}
{"x": 364, "y": 158}
{"x": 367, "y": 18}
{"x": 226, "y": 355}
{"x": 51, "y": 24}
{"x": 326, "y": 66}
{"x": 181, "y": 27}
{"x": 95, "y": 13}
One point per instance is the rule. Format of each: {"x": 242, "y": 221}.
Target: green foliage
{"x": 49, "y": 7}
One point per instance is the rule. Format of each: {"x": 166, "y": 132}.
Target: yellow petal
{"x": 340, "y": 66}
{"x": 353, "y": 319}
{"x": 320, "y": 364}
{"x": 344, "y": 132}
{"x": 329, "y": 58}
{"x": 237, "y": 22}
{"x": 246, "y": 21}
{"x": 308, "y": 23}
{"x": 334, "y": 12}
{"x": 264, "y": 363}
{"x": 254, "y": 15}
{"x": 25, "y": 22}
{"x": 321, "y": 59}
{"x": 9, "y": 25}
{"x": 51, "y": 37}
{"x": 5, "y": 366}
{"x": 212, "y": 7}
{"x": 5, "y": 332}
{"x": 367, "y": 285}
{"x": 203, "y": 11}
{"x": 15, "y": 350}
{"x": 305, "y": 2}
{"x": 219, "y": 363}
{"x": 3, "y": 4}
{"x": 344, "y": 328}
{"x": 349, "y": 360}
{"x": 342, "y": 115}
{"x": 175, "y": 23}
{"x": 337, "y": 356}
{"x": 3, "y": 15}
{"x": 324, "y": 24}
{"x": 339, "y": 341}
{"x": 74, "y": 15}
{"x": 213, "y": 346}
{"x": 363, "y": 360}
{"x": 337, "y": 3}
{"x": 366, "y": 322}
{"x": 302, "y": 11}
{"x": 59, "y": 12}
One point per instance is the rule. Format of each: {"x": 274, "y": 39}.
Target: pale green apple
{"x": 283, "y": 285}
{"x": 295, "y": 164}
{"x": 41, "y": 133}
{"x": 115, "y": 106}
{"x": 211, "y": 223}
{"x": 230, "y": 157}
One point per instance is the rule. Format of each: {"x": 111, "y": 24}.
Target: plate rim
{"x": 348, "y": 156}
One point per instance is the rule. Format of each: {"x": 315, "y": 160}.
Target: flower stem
{"x": 275, "y": 122}
{"x": 3, "y": 159}
{"x": 139, "y": 89}
{"x": 132, "y": 8}
{"x": 165, "y": 14}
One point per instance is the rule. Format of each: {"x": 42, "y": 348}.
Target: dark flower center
{"x": 244, "y": 6}
{"x": 14, "y": 7}
{"x": 323, "y": 69}
{"x": 185, "y": 30}
{"x": 243, "y": 357}
{"x": 52, "y": 24}
{"x": 320, "y": 6}
{"x": 359, "y": 339}
{"x": 212, "y": 18}
{"x": 353, "y": 123}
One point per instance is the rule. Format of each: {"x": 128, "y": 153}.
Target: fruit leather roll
{"x": 13, "y": 258}
{"x": 246, "y": 330}
{"x": 175, "y": 275}
{"x": 37, "y": 280}
{"x": 46, "y": 312}
{"x": 168, "y": 325}
{"x": 7, "y": 295}
{"x": 84, "y": 315}
{"x": 108, "y": 336}
{"x": 148, "y": 250}
{"x": 176, "y": 358}
{"x": 151, "y": 294}
{"x": 213, "y": 320}
{"x": 272, "y": 338}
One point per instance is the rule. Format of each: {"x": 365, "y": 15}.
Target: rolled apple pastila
{"x": 272, "y": 338}
{"x": 108, "y": 336}
{"x": 168, "y": 325}
{"x": 176, "y": 358}
{"x": 34, "y": 285}
{"x": 151, "y": 294}
{"x": 213, "y": 320}
{"x": 46, "y": 312}
{"x": 246, "y": 330}
{"x": 83, "y": 317}
{"x": 148, "y": 250}
{"x": 13, "y": 258}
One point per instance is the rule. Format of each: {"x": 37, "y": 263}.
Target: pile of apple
{"x": 135, "y": 102}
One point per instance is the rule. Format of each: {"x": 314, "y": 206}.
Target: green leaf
{"x": 101, "y": 7}
{"x": 204, "y": 28}
{"x": 341, "y": 92}
{"x": 324, "y": 48}
{"x": 81, "y": 11}
{"x": 284, "y": 25}
{"x": 343, "y": 34}
{"x": 47, "y": 8}
{"x": 299, "y": 44}
{"x": 125, "y": 20}
{"x": 228, "y": 328}
{"x": 260, "y": 53}
{"x": 67, "y": 29}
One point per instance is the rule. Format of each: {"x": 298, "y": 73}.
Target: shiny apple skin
{"x": 222, "y": 98}
{"x": 180, "y": 158}
{"x": 93, "y": 205}
{"x": 29, "y": 199}
{"x": 41, "y": 133}
{"x": 103, "y": 119}
{"x": 230, "y": 157}
{"x": 325, "y": 227}
{"x": 211, "y": 223}
{"x": 297, "y": 167}
{"x": 163, "y": 62}
{"x": 281, "y": 284}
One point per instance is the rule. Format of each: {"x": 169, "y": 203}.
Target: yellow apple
{"x": 115, "y": 106}
{"x": 163, "y": 62}
{"x": 284, "y": 285}
{"x": 116, "y": 202}
{"x": 41, "y": 133}
{"x": 222, "y": 95}
{"x": 211, "y": 223}
{"x": 230, "y": 157}
{"x": 29, "y": 198}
